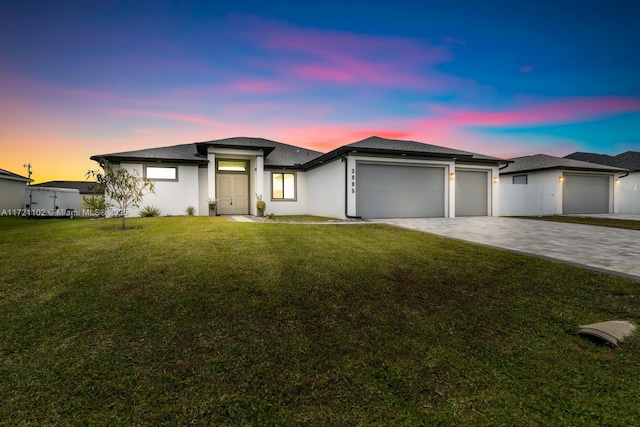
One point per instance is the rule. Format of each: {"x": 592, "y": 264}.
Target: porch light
{"x": 561, "y": 179}
{"x": 495, "y": 179}
{"x": 452, "y": 176}
{"x": 617, "y": 181}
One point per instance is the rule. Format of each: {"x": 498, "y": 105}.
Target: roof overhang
{"x": 16, "y": 178}
{"x": 202, "y": 147}
{"x": 132, "y": 159}
{"x": 569, "y": 168}
{"x": 400, "y": 154}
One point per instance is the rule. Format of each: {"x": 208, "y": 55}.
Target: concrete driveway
{"x": 610, "y": 250}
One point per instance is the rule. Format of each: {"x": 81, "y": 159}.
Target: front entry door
{"x": 232, "y": 191}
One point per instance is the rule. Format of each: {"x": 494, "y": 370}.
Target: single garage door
{"x": 585, "y": 194}
{"x": 393, "y": 191}
{"x": 471, "y": 193}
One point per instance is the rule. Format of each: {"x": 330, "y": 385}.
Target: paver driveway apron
{"x": 612, "y": 250}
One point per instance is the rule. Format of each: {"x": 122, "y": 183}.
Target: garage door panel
{"x": 472, "y": 193}
{"x": 394, "y": 191}
{"x": 585, "y": 194}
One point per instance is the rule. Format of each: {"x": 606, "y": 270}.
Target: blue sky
{"x": 503, "y": 78}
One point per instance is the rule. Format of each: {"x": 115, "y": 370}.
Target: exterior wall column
{"x": 258, "y": 185}
{"x": 351, "y": 185}
{"x": 450, "y": 185}
{"x": 211, "y": 176}
{"x": 494, "y": 194}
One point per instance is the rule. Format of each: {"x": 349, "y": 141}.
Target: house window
{"x": 155, "y": 173}
{"x": 283, "y": 186}
{"x": 520, "y": 179}
{"x": 232, "y": 165}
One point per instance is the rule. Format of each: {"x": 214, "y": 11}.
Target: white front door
{"x": 232, "y": 191}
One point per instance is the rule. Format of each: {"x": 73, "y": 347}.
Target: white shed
{"x": 51, "y": 202}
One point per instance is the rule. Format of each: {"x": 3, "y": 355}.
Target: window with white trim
{"x": 164, "y": 173}
{"x": 283, "y": 186}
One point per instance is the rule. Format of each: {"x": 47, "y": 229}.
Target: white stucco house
{"x": 547, "y": 185}
{"x": 372, "y": 178}
{"x": 12, "y": 188}
{"x": 628, "y": 184}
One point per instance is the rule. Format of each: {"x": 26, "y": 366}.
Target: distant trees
{"x": 122, "y": 189}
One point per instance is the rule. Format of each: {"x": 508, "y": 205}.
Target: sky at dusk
{"x": 502, "y": 78}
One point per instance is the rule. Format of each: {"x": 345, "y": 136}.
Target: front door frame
{"x": 220, "y": 174}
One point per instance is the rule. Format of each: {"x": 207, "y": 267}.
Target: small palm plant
{"x": 149, "y": 211}
{"x": 190, "y": 211}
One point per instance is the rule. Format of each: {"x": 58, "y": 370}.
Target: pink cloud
{"x": 568, "y": 110}
{"x": 257, "y": 87}
{"x": 316, "y": 72}
{"x": 341, "y": 57}
{"x": 178, "y": 117}
{"x": 114, "y": 97}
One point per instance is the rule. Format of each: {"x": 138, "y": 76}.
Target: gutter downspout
{"x": 346, "y": 187}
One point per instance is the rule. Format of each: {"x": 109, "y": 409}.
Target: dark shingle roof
{"x": 397, "y": 145}
{"x": 381, "y": 146}
{"x": 5, "y": 174}
{"x": 185, "y": 153}
{"x": 276, "y": 153}
{"x": 627, "y": 160}
{"x": 545, "y": 162}
{"x": 85, "y": 187}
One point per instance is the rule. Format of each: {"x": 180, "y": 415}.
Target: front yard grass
{"x": 301, "y": 218}
{"x": 603, "y": 222}
{"x": 202, "y": 321}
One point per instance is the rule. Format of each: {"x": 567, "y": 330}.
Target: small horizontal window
{"x": 232, "y": 165}
{"x": 161, "y": 173}
{"x": 520, "y": 179}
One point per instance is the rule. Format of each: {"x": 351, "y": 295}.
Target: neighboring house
{"x": 548, "y": 185}
{"x": 86, "y": 189}
{"x": 12, "y": 188}
{"x": 628, "y": 186}
{"x": 372, "y": 178}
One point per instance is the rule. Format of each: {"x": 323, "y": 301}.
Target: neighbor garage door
{"x": 585, "y": 194}
{"x": 393, "y": 191}
{"x": 471, "y": 193}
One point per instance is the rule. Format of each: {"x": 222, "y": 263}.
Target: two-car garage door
{"x": 399, "y": 191}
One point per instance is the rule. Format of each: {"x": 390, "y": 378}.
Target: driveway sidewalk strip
{"x": 610, "y": 250}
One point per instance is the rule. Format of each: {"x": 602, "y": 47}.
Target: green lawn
{"x": 201, "y": 321}
{"x": 603, "y": 222}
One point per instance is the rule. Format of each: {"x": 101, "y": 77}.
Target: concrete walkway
{"x": 610, "y": 250}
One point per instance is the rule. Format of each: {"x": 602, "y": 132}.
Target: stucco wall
{"x": 325, "y": 187}
{"x": 542, "y": 195}
{"x": 203, "y": 192}
{"x": 627, "y": 194}
{"x": 11, "y": 194}
{"x": 171, "y": 197}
